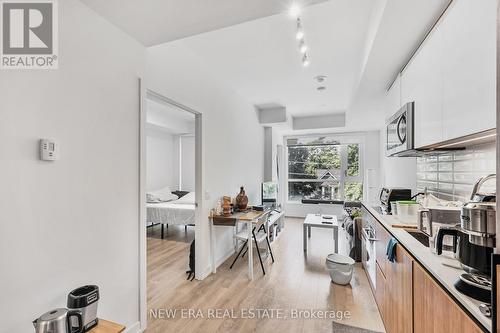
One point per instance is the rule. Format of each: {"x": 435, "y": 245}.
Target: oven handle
{"x": 367, "y": 237}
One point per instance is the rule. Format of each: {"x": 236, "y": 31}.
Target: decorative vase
{"x": 241, "y": 199}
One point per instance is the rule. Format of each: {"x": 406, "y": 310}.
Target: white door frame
{"x": 144, "y": 95}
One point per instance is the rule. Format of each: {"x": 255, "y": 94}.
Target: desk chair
{"x": 258, "y": 237}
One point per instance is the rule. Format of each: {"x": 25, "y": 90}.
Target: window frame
{"x": 343, "y": 141}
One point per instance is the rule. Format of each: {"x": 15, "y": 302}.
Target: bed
{"x": 175, "y": 212}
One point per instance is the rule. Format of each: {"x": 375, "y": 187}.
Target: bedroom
{"x": 170, "y": 191}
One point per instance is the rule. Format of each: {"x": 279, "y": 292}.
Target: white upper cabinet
{"x": 422, "y": 83}
{"x": 452, "y": 77}
{"x": 393, "y": 98}
{"x": 469, "y": 67}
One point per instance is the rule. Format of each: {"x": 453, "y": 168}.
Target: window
{"x": 324, "y": 169}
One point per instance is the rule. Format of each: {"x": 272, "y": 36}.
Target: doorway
{"x": 170, "y": 186}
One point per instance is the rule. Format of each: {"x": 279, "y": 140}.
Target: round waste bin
{"x": 340, "y": 268}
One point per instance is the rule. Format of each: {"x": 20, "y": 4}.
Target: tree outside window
{"x": 324, "y": 172}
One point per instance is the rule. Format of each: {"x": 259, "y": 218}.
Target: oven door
{"x": 368, "y": 255}
{"x": 400, "y": 131}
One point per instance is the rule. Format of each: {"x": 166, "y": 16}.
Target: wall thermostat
{"x": 49, "y": 150}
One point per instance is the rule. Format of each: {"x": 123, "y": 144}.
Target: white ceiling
{"x": 169, "y": 118}
{"x": 261, "y": 61}
{"x": 154, "y": 22}
{"x": 359, "y": 44}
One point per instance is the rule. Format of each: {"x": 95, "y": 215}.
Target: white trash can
{"x": 340, "y": 268}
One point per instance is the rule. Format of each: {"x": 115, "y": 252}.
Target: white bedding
{"x": 176, "y": 212}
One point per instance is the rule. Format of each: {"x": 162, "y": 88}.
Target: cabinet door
{"x": 381, "y": 246}
{"x": 442, "y": 314}
{"x": 399, "y": 291}
{"x": 393, "y": 98}
{"x": 422, "y": 83}
{"x": 469, "y": 30}
{"x": 380, "y": 293}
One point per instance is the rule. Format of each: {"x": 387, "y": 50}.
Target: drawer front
{"x": 380, "y": 294}
{"x": 383, "y": 239}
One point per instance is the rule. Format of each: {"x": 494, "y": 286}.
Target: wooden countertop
{"x": 243, "y": 216}
{"x": 106, "y": 326}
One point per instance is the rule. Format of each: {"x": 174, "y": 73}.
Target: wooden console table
{"x": 250, "y": 217}
{"x": 105, "y": 326}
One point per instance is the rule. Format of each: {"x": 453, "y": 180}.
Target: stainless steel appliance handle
{"x": 479, "y": 183}
{"x": 367, "y": 237}
{"x": 421, "y": 214}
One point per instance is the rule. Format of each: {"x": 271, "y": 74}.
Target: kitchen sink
{"x": 420, "y": 236}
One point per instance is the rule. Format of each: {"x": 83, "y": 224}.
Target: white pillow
{"x": 162, "y": 195}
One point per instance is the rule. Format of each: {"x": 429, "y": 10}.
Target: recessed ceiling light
{"x": 305, "y": 60}
{"x": 295, "y": 10}
{"x": 302, "y": 46}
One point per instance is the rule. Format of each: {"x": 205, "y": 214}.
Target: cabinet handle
{"x": 367, "y": 237}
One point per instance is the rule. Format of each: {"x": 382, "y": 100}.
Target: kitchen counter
{"x": 444, "y": 268}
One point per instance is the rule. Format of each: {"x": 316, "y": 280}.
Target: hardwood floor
{"x": 294, "y": 281}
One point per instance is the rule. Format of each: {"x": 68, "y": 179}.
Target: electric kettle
{"x": 59, "y": 321}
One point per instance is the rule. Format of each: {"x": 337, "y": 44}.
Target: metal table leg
{"x": 250, "y": 250}
{"x": 336, "y": 238}
{"x": 305, "y": 237}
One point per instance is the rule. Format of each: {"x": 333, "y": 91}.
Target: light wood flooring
{"x": 294, "y": 281}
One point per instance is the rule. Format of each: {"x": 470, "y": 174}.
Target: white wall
{"x": 162, "y": 160}
{"x": 232, "y": 136}
{"x": 74, "y": 221}
{"x": 187, "y": 174}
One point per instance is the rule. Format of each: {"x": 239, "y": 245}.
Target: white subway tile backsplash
{"x": 445, "y": 177}
{"x": 452, "y": 176}
{"x": 445, "y": 166}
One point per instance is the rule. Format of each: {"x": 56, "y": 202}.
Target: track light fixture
{"x": 295, "y": 11}
{"x": 305, "y": 60}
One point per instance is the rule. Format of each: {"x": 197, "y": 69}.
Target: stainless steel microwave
{"x": 400, "y": 131}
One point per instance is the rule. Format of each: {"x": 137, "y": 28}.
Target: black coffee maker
{"x": 474, "y": 242}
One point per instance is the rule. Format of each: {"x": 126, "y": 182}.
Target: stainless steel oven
{"x": 400, "y": 134}
{"x": 368, "y": 248}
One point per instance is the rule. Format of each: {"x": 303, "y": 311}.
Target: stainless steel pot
{"x": 59, "y": 321}
{"x": 478, "y": 217}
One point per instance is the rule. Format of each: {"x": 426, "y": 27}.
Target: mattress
{"x": 177, "y": 212}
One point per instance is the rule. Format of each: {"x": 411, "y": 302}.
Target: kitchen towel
{"x": 391, "y": 249}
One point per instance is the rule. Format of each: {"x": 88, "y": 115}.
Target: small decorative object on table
{"x": 226, "y": 206}
{"x": 241, "y": 200}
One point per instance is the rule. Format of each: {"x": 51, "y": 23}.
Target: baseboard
{"x": 218, "y": 262}
{"x": 134, "y": 328}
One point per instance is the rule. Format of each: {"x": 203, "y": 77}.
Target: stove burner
{"x": 475, "y": 286}
{"x": 477, "y": 280}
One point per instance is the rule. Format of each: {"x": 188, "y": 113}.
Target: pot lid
{"x": 481, "y": 205}
{"x": 340, "y": 259}
{"x": 57, "y": 314}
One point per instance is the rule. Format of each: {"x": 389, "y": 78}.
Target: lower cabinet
{"x": 380, "y": 293}
{"x": 434, "y": 310}
{"x": 408, "y": 298}
{"x": 394, "y": 293}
